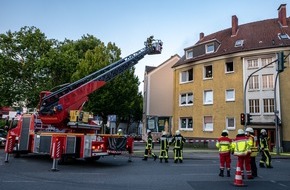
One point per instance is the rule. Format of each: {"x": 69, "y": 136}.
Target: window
{"x": 254, "y": 82}
{"x": 189, "y": 54}
{"x": 185, "y": 123}
{"x": 230, "y": 95}
{"x": 186, "y": 76}
{"x": 254, "y": 105}
{"x": 268, "y": 105}
{"x": 208, "y": 97}
{"x": 252, "y": 63}
{"x": 239, "y": 43}
{"x": 208, "y": 71}
{"x": 229, "y": 67}
{"x": 230, "y": 122}
{"x": 209, "y": 48}
{"x": 207, "y": 123}
{"x": 283, "y": 36}
{"x": 268, "y": 81}
{"x": 186, "y": 99}
{"x": 266, "y": 61}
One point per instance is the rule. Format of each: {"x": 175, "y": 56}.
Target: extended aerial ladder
{"x": 54, "y": 106}
{"x": 59, "y": 137}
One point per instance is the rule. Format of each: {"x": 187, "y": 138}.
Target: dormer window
{"x": 283, "y": 36}
{"x": 209, "y": 48}
{"x": 189, "y": 54}
{"x": 239, "y": 43}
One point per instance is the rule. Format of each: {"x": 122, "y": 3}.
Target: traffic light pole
{"x": 276, "y": 112}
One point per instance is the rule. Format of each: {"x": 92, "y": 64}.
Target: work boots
{"x": 228, "y": 173}
{"x": 221, "y": 173}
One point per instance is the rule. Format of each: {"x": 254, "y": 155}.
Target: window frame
{"x": 227, "y": 123}
{"x": 188, "y": 74}
{"x": 187, "y": 123}
{"x": 204, "y": 97}
{"x": 254, "y": 106}
{"x": 208, "y": 73}
{"x": 267, "y": 81}
{"x": 208, "y": 126}
{"x": 252, "y": 63}
{"x": 187, "y": 95}
{"x": 227, "y": 66}
{"x": 269, "y": 106}
{"x": 209, "y": 48}
{"x": 254, "y": 83}
{"x": 189, "y": 54}
{"x": 230, "y": 99}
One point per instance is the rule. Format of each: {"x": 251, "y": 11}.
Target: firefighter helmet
{"x": 250, "y": 130}
{"x": 225, "y": 131}
{"x": 177, "y": 132}
{"x": 241, "y": 132}
{"x": 148, "y": 131}
{"x": 263, "y": 131}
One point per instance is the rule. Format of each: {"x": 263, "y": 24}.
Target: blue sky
{"x": 128, "y": 23}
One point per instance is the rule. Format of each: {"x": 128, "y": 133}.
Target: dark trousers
{"x": 254, "y": 166}
{"x": 266, "y": 158}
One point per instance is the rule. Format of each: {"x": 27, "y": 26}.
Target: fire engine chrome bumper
{"x": 100, "y": 154}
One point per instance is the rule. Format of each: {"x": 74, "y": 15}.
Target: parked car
{"x": 3, "y": 135}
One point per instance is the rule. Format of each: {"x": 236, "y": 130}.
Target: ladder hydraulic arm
{"x": 54, "y": 106}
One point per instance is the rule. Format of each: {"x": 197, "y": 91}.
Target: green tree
{"x": 20, "y": 53}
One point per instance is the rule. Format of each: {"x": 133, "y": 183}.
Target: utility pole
{"x": 280, "y": 68}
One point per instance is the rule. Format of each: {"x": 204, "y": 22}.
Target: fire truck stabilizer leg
{"x": 7, "y": 158}
{"x": 54, "y": 166}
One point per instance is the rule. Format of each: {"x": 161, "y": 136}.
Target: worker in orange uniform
{"x": 149, "y": 147}
{"x": 224, "y": 144}
{"x": 264, "y": 148}
{"x": 178, "y": 140}
{"x": 241, "y": 149}
{"x": 254, "y": 150}
{"x": 164, "y": 145}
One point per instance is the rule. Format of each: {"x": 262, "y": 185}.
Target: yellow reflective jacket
{"x": 241, "y": 146}
{"x": 253, "y": 145}
{"x": 224, "y": 144}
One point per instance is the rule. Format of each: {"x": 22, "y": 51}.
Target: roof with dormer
{"x": 258, "y": 35}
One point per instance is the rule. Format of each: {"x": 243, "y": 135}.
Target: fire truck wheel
{"x": 17, "y": 155}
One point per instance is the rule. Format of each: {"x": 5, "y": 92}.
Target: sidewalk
{"x": 190, "y": 152}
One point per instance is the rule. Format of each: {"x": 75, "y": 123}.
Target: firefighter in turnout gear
{"x": 178, "y": 142}
{"x": 224, "y": 144}
{"x": 241, "y": 150}
{"x": 164, "y": 145}
{"x": 149, "y": 147}
{"x": 254, "y": 150}
{"x": 264, "y": 148}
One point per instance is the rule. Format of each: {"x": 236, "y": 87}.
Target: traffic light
{"x": 249, "y": 118}
{"x": 280, "y": 62}
{"x": 243, "y": 119}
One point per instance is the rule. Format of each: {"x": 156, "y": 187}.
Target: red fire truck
{"x": 61, "y": 129}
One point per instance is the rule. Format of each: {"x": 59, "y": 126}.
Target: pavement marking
{"x": 18, "y": 181}
{"x": 186, "y": 165}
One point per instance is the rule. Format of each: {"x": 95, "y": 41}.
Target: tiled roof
{"x": 148, "y": 69}
{"x": 256, "y": 35}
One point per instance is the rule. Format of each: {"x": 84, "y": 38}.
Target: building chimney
{"x": 282, "y": 15}
{"x": 201, "y": 35}
{"x": 234, "y": 25}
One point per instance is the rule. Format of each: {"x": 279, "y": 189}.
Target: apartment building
{"x": 158, "y": 97}
{"x": 234, "y": 71}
